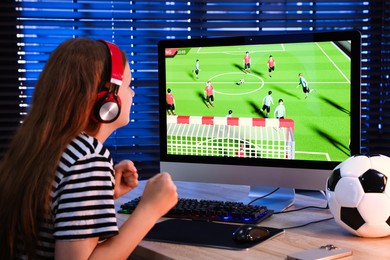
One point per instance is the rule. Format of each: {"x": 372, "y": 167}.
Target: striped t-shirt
{"x": 82, "y": 197}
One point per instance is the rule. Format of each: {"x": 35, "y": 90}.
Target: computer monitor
{"x": 231, "y": 138}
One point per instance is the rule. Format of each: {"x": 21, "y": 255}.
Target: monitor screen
{"x": 277, "y": 110}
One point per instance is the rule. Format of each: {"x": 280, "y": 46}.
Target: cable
{"x": 294, "y": 210}
{"x": 312, "y": 222}
{"x": 307, "y": 207}
{"x": 264, "y": 196}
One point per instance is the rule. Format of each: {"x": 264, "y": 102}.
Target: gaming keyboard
{"x": 210, "y": 210}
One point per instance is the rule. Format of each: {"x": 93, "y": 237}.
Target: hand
{"x": 159, "y": 195}
{"x": 126, "y": 178}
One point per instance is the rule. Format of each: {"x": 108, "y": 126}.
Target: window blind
{"x": 30, "y": 30}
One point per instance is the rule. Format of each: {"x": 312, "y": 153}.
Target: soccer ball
{"x": 359, "y": 196}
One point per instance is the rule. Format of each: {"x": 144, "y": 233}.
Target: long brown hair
{"x": 62, "y": 102}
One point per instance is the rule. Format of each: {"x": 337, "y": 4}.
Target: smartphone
{"x": 324, "y": 253}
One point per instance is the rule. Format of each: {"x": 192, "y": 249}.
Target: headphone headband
{"x": 108, "y": 104}
{"x": 116, "y": 63}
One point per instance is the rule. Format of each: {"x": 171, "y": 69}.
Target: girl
{"x": 57, "y": 181}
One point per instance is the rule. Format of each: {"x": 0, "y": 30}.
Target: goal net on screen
{"x": 231, "y": 137}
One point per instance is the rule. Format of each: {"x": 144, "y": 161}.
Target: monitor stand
{"x": 277, "y": 201}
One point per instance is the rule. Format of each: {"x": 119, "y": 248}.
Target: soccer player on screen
{"x": 170, "y": 102}
{"x": 226, "y": 127}
{"x": 270, "y": 65}
{"x": 280, "y": 110}
{"x": 196, "y": 70}
{"x": 230, "y": 113}
{"x": 267, "y": 102}
{"x": 209, "y": 94}
{"x": 305, "y": 85}
{"x": 241, "y": 152}
{"x": 247, "y": 63}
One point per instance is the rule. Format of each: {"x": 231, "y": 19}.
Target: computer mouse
{"x": 250, "y": 233}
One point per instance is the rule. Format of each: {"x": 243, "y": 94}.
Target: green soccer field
{"x": 321, "y": 120}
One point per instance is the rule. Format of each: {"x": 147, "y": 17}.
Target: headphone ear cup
{"x": 107, "y": 107}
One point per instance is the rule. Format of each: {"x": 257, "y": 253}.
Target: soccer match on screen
{"x": 283, "y": 101}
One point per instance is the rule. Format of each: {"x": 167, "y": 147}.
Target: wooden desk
{"x": 293, "y": 240}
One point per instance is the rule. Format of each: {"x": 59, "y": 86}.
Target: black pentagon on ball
{"x": 373, "y": 181}
{"x": 351, "y": 217}
{"x": 333, "y": 179}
